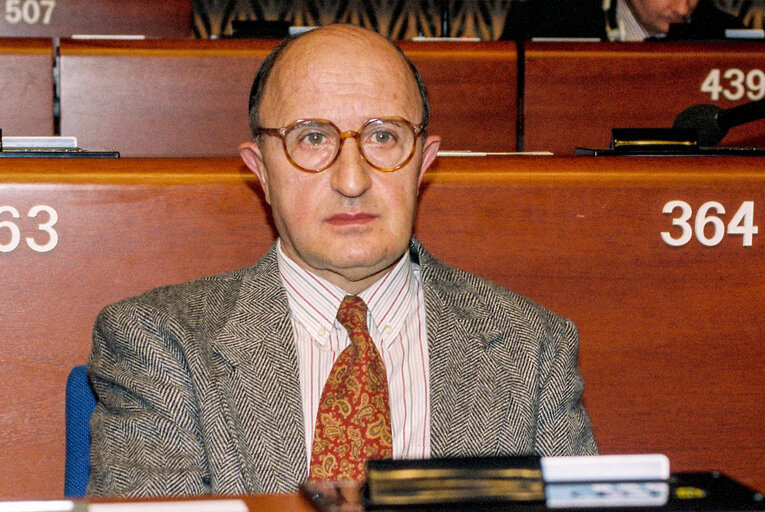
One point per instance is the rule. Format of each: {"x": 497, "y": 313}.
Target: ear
{"x": 253, "y": 159}
{"x": 429, "y": 152}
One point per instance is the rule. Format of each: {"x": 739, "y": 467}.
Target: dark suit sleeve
{"x": 146, "y": 437}
{"x": 563, "y": 425}
{"x": 555, "y": 18}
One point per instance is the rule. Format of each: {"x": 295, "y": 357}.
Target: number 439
{"x": 742, "y": 223}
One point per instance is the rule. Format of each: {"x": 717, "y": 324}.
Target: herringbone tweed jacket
{"x": 197, "y": 383}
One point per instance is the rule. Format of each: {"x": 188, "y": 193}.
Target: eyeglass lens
{"x": 384, "y": 143}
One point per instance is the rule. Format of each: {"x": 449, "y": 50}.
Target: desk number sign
{"x": 31, "y": 12}
{"x": 47, "y": 218}
{"x": 734, "y": 84}
{"x": 708, "y": 227}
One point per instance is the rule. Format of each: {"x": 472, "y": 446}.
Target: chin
{"x": 361, "y": 261}
{"x": 367, "y": 256}
{"x": 663, "y": 29}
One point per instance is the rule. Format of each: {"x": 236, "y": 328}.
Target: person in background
{"x": 348, "y": 340}
{"x": 618, "y": 20}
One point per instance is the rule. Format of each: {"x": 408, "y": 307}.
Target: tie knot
{"x": 352, "y": 314}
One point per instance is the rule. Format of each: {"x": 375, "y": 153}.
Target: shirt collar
{"x": 314, "y": 301}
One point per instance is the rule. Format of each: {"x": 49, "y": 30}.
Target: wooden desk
{"x": 254, "y": 502}
{"x": 47, "y": 18}
{"x": 189, "y": 98}
{"x": 671, "y": 336}
{"x": 473, "y": 92}
{"x": 296, "y": 503}
{"x": 159, "y": 98}
{"x": 575, "y": 93}
{"x": 278, "y": 503}
{"x": 26, "y": 82}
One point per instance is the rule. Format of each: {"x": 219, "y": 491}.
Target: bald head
{"x": 328, "y": 51}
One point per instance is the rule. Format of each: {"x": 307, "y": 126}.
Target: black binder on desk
{"x": 669, "y": 151}
{"x": 662, "y": 142}
{"x": 711, "y": 491}
{"x": 477, "y": 484}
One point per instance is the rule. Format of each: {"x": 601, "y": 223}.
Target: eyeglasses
{"x": 385, "y": 143}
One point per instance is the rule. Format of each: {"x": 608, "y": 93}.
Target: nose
{"x": 682, "y": 8}
{"x": 350, "y": 174}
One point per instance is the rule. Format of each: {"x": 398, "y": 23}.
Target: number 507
{"x": 30, "y": 12}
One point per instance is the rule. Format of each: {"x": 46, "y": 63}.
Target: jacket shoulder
{"x": 484, "y": 306}
{"x": 708, "y": 17}
{"x": 185, "y": 302}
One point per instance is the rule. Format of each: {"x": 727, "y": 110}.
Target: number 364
{"x": 742, "y": 223}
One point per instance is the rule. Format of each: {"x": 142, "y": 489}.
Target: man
{"x": 636, "y": 20}
{"x": 216, "y": 386}
{"x": 618, "y": 20}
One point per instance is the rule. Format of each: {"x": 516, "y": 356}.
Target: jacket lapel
{"x": 452, "y": 361}
{"x": 468, "y": 397}
{"x": 450, "y": 366}
{"x": 259, "y": 380}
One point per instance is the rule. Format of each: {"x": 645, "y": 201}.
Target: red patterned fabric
{"x": 353, "y": 421}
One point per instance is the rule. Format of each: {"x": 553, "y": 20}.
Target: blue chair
{"x": 80, "y": 402}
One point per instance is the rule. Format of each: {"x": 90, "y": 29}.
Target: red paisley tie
{"x": 353, "y": 420}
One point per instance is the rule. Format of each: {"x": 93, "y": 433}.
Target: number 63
{"x": 46, "y": 227}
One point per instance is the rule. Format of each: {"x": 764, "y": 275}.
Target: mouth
{"x": 350, "y": 219}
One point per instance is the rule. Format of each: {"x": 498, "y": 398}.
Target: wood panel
{"x": 671, "y": 336}
{"x": 254, "y": 502}
{"x": 48, "y": 18}
{"x": 473, "y": 92}
{"x": 159, "y": 98}
{"x": 26, "y": 82}
{"x": 189, "y": 98}
{"x": 575, "y": 93}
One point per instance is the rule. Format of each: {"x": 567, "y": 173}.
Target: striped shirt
{"x": 629, "y": 27}
{"x": 396, "y": 322}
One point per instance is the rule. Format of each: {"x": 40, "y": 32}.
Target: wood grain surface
{"x": 671, "y": 337}
{"x": 159, "y": 98}
{"x": 26, "y": 85}
{"x": 189, "y": 98}
{"x": 473, "y": 92}
{"x": 575, "y": 93}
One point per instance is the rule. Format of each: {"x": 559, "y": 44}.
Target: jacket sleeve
{"x": 145, "y": 432}
{"x": 563, "y": 425}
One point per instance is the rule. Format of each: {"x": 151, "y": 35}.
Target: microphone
{"x": 712, "y": 123}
